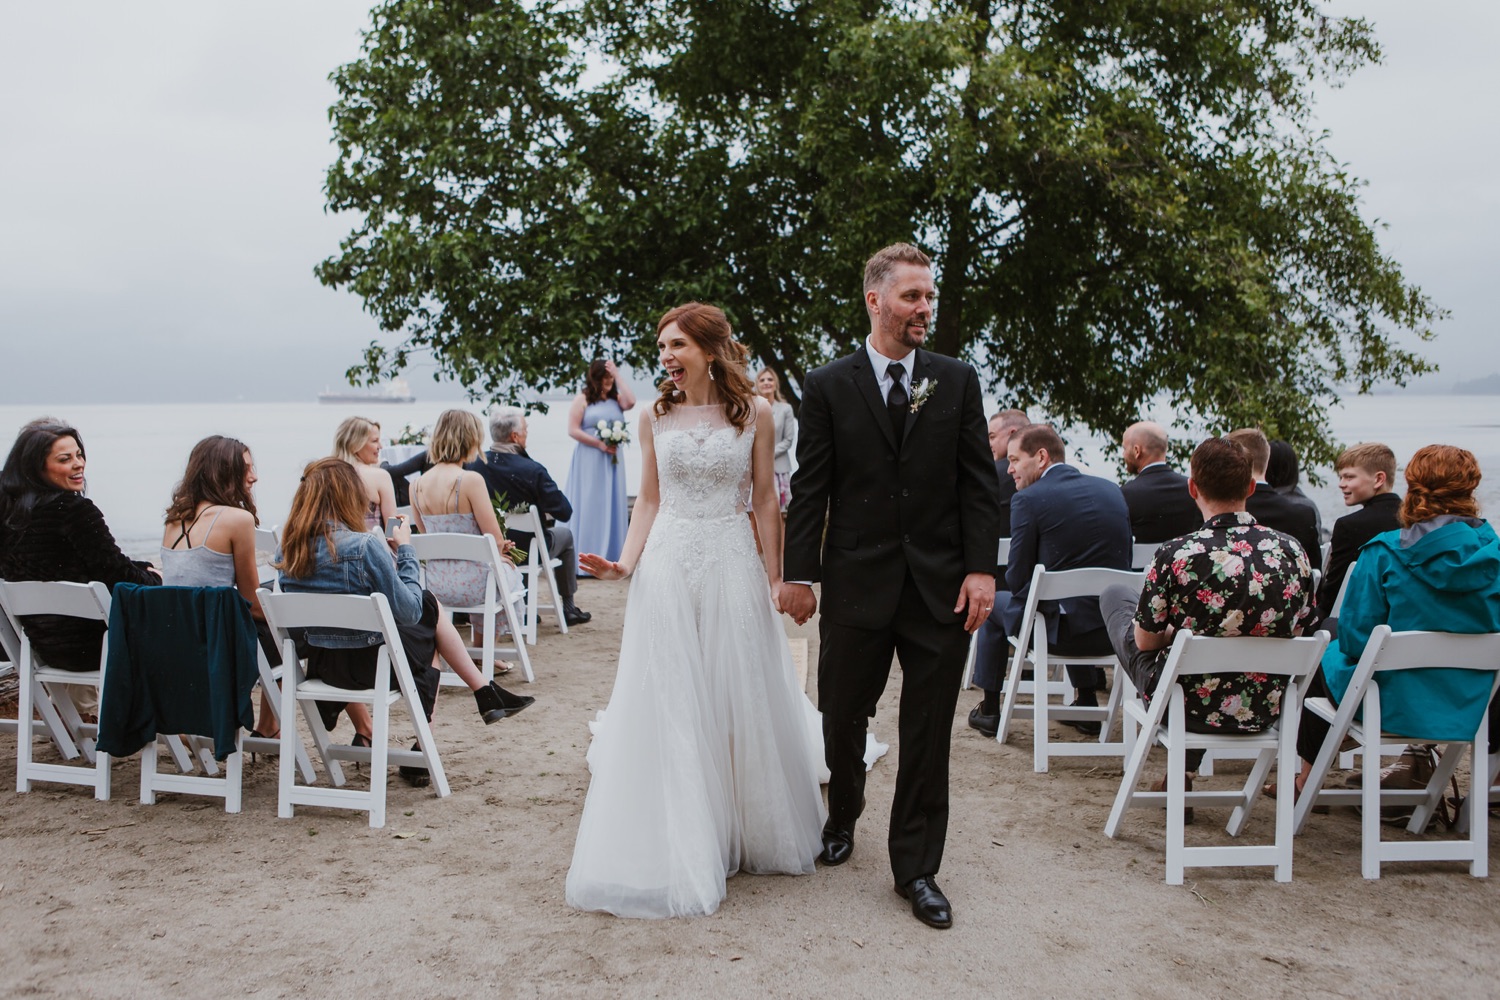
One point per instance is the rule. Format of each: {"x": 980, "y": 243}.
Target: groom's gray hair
{"x": 504, "y": 422}
{"x": 879, "y": 267}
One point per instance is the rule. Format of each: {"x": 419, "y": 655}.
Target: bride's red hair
{"x": 708, "y": 327}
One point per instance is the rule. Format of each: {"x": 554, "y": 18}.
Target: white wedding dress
{"x": 706, "y": 765}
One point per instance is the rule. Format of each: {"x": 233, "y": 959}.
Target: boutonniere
{"x": 921, "y": 393}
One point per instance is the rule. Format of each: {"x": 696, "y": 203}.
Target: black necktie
{"x": 897, "y": 401}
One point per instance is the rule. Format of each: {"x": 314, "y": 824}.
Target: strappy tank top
{"x": 454, "y": 523}
{"x": 196, "y": 567}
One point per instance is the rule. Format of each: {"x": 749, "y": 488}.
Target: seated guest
{"x": 1275, "y": 510}
{"x": 1062, "y": 519}
{"x": 1158, "y": 498}
{"x": 49, "y": 531}
{"x": 1231, "y": 577}
{"x": 448, "y": 498}
{"x": 418, "y": 463}
{"x": 1003, "y": 427}
{"x": 1284, "y": 473}
{"x": 1440, "y": 571}
{"x": 511, "y": 473}
{"x": 357, "y": 441}
{"x": 325, "y": 549}
{"x": 1367, "y": 473}
{"x": 209, "y": 538}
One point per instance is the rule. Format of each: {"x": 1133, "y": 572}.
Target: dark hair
{"x": 1221, "y": 470}
{"x": 1034, "y": 437}
{"x": 708, "y": 327}
{"x": 331, "y": 493}
{"x": 1440, "y": 479}
{"x": 215, "y": 474}
{"x": 23, "y": 481}
{"x": 593, "y": 385}
{"x": 1283, "y": 470}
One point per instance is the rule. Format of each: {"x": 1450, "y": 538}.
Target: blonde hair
{"x": 1371, "y": 457}
{"x": 351, "y": 437}
{"x": 776, "y": 378}
{"x": 456, "y": 437}
{"x": 879, "y": 267}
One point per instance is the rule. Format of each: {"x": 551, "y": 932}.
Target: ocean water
{"x": 137, "y": 451}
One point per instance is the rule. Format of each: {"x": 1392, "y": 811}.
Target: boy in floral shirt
{"x": 1231, "y": 577}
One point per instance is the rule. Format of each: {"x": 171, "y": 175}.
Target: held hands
{"x": 978, "y": 596}
{"x": 796, "y": 600}
{"x": 601, "y": 568}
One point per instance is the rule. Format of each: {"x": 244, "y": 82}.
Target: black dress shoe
{"x": 1087, "y": 727}
{"x": 576, "y": 616}
{"x": 838, "y": 844}
{"x": 988, "y": 725}
{"x": 416, "y": 777}
{"x": 928, "y": 904}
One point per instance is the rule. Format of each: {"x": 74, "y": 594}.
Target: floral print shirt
{"x": 1231, "y": 577}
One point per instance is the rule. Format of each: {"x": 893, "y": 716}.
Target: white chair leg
{"x": 234, "y": 769}
{"x": 1287, "y": 767}
{"x": 380, "y": 741}
{"x": 1176, "y": 794}
{"x": 148, "y": 771}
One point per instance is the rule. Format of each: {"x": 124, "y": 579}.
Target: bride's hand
{"x": 601, "y": 568}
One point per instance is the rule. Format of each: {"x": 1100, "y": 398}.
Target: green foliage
{"x": 1125, "y": 200}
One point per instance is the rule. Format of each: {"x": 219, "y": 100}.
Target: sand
{"x": 463, "y": 896}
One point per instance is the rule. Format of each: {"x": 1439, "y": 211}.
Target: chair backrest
{"x": 1142, "y": 554}
{"x": 10, "y": 642}
{"x": 1201, "y": 654}
{"x": 1054, "y": 585}
{"x": 1338, "y": 602}
{"x": 73, "y": 600}
{"x": 529, "y": 520}
{"x": 267, "y": 540}
{"x": 351, "y": 611}
{"x": 1003, "y": 555}
{"x": 454, "y": 545}
{"x": 1389, "y": 650}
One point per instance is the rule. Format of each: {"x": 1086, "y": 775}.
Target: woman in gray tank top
{"x": 209, "y": 539}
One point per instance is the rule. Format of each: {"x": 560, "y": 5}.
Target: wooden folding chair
{"x": 539, "y": 566}
{"x": 286, "y": 612}
{"x": 90, "y": 602}
{"x": 1163, "y": 723}
{"x": 1387, "y": 652}
{"x": 1048, "y": 679}
{"x": 498, "y": 600}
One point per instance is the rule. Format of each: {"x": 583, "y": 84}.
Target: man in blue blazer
{"x": 1061, "y": 519}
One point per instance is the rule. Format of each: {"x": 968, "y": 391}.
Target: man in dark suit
{"x": 513, "y": 474}
{"x": 1160, "y": 505}
{"x": 1276, "y": 510}
{"x": 891, "y": 455}
{"x": 1366, "y": 474}
{"x": 1061, "y": 519}
{"x": 1003, "y": 427}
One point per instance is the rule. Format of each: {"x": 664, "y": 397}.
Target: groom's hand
{"x": 797, "y": 600}
{"x": 977, "y": 596}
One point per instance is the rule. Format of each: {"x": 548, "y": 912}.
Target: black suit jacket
{"x": 1160, "y": 506}
{"x": 1350, "y": 533}
{"x": 1007, "y": 491}
{"x": 1065, "y": 520}
{"x": 1288, "y": 516}
{"x": 522, "y": 479}
{"x": 925, "y": 505}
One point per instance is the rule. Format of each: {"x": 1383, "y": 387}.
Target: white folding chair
{"x": 1387, "y": 652}
{"x": 1163, "y": 723}
{"x": 1002, "y": 556}
{"x": 286, "y": 612}
{"x": 1142, "y": 554}
{"x": 1032, "y": 649}
{"x": 498, "y": 599}
{"x": 539, "y": 566}
{"x": 88, "y": 601}
{"x": 50, "y": 724}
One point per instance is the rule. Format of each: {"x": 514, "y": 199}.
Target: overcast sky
{"x": 161, "y": 169}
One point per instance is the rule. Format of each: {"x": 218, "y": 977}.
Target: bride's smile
{"x": 685, "y": 362}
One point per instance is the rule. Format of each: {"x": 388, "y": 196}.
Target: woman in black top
{"x": 50, "y": 531}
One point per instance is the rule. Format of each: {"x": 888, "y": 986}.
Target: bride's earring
{"x": 711, "y": 371}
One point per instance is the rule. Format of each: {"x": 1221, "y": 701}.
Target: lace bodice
{"x": 702, "y": 462}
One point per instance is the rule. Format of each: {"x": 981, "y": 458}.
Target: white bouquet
{"x": 613, "y": 432}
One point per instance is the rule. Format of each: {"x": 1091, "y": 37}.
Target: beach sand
{"x": 463, "y": 896}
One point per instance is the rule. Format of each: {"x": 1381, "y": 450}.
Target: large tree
{"x": 1123, "y": 199}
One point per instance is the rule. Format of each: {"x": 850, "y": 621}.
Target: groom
{"x": 892, "y": 454}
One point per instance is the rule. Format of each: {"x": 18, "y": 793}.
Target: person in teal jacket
{"x": 1439, "y": 572}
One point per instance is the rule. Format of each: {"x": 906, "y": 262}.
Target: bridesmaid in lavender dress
{"x": 596, "y": 480}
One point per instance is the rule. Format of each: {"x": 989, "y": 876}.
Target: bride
{"x": 704, "y": 765}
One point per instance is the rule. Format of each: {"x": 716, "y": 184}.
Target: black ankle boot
{"x": 512, "y": 703}
{"x": 491, "y": 709}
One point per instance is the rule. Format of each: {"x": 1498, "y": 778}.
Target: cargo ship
{"x": 394, "y": 391}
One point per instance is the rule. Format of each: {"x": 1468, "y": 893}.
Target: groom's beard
{"x": 907, "y": 335}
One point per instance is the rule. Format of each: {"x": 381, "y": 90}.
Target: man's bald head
{"x": 1002, "y": 426}
{"x": 1142, "y": 444}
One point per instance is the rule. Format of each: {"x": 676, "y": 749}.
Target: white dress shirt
{"x": 882, "y": 365}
